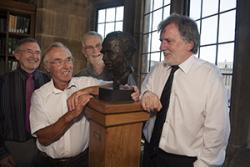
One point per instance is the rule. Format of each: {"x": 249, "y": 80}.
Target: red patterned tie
{"x": 29, "y": 90}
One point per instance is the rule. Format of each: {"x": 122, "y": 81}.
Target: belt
{"x": 66, "y": 160}
{"x": 155, "y": 151}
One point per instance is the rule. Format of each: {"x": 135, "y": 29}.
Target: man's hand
{"x": 7, "y": 162}
{"x": 73, "y": 100}
{"x": 151, "y": 102}
{"x": 136, "y": 94}
{"x": 82, "y": 101}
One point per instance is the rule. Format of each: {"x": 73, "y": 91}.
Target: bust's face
{"x": 113, "y": 54}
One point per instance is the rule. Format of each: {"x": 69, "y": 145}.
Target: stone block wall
{"x": 63, "y": 21}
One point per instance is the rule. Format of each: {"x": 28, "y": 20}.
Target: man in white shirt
{"x": 196, "y": 126}
{"x": 60, "y": 126}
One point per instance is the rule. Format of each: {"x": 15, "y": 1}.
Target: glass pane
{"x": 145, "y": 44}
{"x": 157, "y": 4}
{"x": 100, "y": 29}
{"x": 155, "y": 42}
{"x": 148, "y": 62}
{"x": 228, "y": 84}
{"x": 155, "y": 58}
{"x": 119, "y": 26}
{"x": 227, "y": 26}
{"x": 209, "y": 30}
{"x": 166, "y": 12}
{"x": 195, "y": 9}
{"x": 198, "y": 25}
{"x": 149, "y": 44}
{"x": 145, "y": 64}
{"x": 147, "y": 23}
{"x": 209, "y": 7}
{"x": 109, "y": 28}
{"x": 227, "y": 4}
{"x": 148, "y": 5}
{"x": 162, "y": 56}
{"x": 157, "y": 17}
{"x": 208, "y": 53}
{"x": 225, "y": 63}
{"x": 226, "y": 55}
{"x": 101, "y": 16}
{"x": 166, "y": 2}
{"x": 119, "y": 13}
{"x": 110, "y": 14}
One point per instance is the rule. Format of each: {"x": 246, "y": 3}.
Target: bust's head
{"x": 118, "y": 49}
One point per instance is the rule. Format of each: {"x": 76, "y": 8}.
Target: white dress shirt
{"x": 197, "y": 122}
{"x": 48, "y": 104}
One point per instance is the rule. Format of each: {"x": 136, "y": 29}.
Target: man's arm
{"x": 55, "y": 131}
{"x": 216, "y": 124}
{"x": 72, "y": 101}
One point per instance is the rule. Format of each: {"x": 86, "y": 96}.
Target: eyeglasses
{"x": 92, "y": 48}
{"x": 30, "y": 52}
{"x": 60, "y": 62}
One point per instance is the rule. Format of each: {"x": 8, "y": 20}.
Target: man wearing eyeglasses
{"x": 17, "y": 146}
{"x": 91, "y": 47}
{"x": 57, "y": 119}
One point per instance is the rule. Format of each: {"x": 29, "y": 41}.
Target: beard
{"x": 166, "y": 54}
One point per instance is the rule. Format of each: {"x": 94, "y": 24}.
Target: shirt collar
{"x": 24, "y": 74}
{"x": 70, "y": 85}
{"x": 187, "y": 64}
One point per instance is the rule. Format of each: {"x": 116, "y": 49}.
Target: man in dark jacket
{"x": 17, "y": 146}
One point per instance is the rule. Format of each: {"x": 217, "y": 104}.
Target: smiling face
{"x": 28, "y": 56}
{"x": 91, "y": 48}
{"x": 176, "y": 50}
{"x": 60, "y": 66}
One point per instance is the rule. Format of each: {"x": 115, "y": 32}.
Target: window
{"x": 154, "y": 12}
{"x": 216, "y": 22}
{"x": 110, "y": 19}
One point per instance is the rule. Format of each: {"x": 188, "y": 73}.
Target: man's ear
{"x": 190, "y": 45}
{"x": 46, "y": 67}
{"x": 83, "y": 52}
{"x": 17, "y": 56}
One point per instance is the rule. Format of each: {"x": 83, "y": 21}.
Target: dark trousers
{"x": 80, "y": 160}
{"x": 160, "y": 158}
{"x": 24, "y": 153}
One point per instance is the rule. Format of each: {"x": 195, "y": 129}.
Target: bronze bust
{"x": 118, "y": 49}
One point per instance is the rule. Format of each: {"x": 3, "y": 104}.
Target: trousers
{"x": 24, "y": 153}
{"x": 161, "y": 158}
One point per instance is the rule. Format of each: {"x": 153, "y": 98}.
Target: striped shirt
{"x": 13, "y": 107}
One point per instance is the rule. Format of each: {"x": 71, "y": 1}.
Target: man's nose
{"x": 163, "y": 46}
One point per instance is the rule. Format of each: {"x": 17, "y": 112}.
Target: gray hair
{"x": 187, "y": 27}
{"x": 91, "y": 33}
{"x": 24, "y": 41}
{"x": 55, "y": 45}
